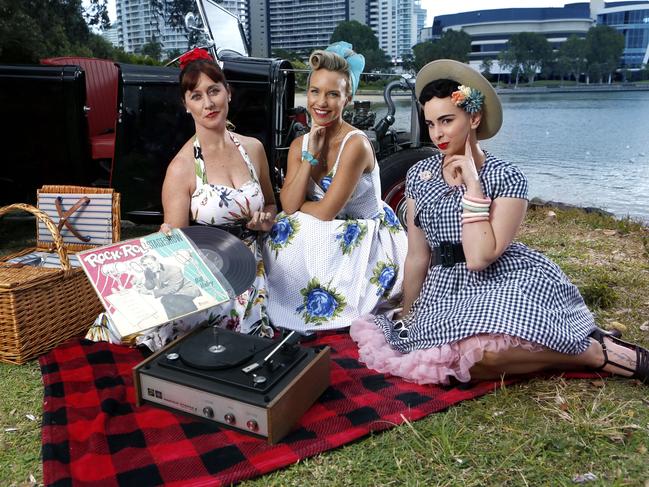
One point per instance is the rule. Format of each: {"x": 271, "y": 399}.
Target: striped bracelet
{"x": 474, "y": 207}
{"x": 477, "y": 201}
{"x": 474, "y": 217}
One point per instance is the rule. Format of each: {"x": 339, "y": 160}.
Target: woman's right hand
{"x": 317, "y": 140}
{"x": 166, "y": 229}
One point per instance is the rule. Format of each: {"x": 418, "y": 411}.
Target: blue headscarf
{"x": 355, "y": 61}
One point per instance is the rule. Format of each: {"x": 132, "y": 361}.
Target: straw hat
{"x": 492, "y": 112}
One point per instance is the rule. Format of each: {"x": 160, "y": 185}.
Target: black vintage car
{"x": 94, "y": 122}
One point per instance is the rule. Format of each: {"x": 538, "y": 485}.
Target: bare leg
{"x": 520, "y": 361}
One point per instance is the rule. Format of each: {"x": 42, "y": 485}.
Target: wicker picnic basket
{"x": 42, "y": 307}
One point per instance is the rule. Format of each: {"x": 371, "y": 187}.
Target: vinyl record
{"x": 229, "y": 255}
{"x": 213, "y": 349}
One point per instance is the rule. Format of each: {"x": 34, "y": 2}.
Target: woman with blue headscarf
{"x": 336, "y": 251}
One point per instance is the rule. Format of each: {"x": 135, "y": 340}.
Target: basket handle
{"x": 44, "y": 218}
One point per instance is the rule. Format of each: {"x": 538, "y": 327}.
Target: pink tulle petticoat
{"x": 429, "y": 366}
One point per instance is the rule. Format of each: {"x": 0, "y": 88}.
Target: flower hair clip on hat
{"x": 467, "y": 98}
{"x": 194, "y": 55}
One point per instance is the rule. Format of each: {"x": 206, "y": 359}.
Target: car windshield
{"x": 224, "y": 28}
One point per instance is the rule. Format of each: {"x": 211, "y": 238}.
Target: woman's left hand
{"x": 261, "y": 221}
{"x": 464, "y": 166}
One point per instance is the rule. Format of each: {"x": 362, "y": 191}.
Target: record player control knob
{"x": 252, "y": 425}
{"x": 208, "y": 412}
{"x": 230, "y": 419}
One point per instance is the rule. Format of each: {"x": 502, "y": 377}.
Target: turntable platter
{"x": 216, "y": 350}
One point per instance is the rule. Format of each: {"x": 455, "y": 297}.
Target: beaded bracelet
{"x": 308, "y": 157}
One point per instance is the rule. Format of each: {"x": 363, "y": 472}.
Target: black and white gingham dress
{"x": 522, "y": 294}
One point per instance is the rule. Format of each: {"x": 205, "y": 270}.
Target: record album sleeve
{"x": 151, "y": 280}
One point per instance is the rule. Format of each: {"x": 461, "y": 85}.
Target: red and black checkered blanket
{"x": 93, "y": 434}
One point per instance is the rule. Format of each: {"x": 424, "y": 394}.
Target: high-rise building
{"x": 112, "y": 34}
{"x": 138, "y": 24}
{"x": 420, "y": 16}
{"x": 304, "y": 25}
{"x": 295, "y": 25}
{"x": 396, "y": 24}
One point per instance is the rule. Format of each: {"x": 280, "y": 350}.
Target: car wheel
{"x": 393, "y": 177}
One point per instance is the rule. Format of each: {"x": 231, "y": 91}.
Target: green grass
{"x": 540, "y": 432}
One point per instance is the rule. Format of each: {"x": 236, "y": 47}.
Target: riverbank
{"x": 538, "y": 432}
{"x": 582, "y": 88}
{"x": 524, "y": 89}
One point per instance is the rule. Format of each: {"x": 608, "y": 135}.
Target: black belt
{"x": 447, "y": 254}
{"x": 238, "y": 229}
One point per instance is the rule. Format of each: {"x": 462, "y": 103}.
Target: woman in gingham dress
{"x": 476, "y": 304}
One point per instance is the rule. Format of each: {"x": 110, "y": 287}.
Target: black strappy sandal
{"x": 641, "y": 371}
{"x": 614, "y": 333}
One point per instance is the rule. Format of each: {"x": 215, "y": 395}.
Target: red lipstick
{"x": 442, "y": 145}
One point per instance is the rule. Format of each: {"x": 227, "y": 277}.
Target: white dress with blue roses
{"x": 324, "y": 274}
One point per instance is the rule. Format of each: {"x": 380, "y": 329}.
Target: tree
{"x": 96, "y": 14}
{"x": 604, "y": 47}
{"x": 572, "y": 56}
{"x": 287, "y": 54}
{"x": 360, "y": 36}
{"x": 425, "y": 52}
{"x": 100, "y": 47}
{"x": 171, "y": 55}
{"x": 153, "y": 48}
{"x": 32, "y": 30}
{"x": 376, "y": 60}
{"x": 173, "y": 14}
{"x": 562, "y": 67}
{"x": 364, "y": 41}
{"x": 453, "y": 44}
{"x": 485, "y": 67}
{"x": 506, "y": 62}
{"x": 529, "y": 52}
{"x": 408, "y": 63}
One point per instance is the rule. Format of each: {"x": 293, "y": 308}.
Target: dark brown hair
{"x": 189, "y": 76}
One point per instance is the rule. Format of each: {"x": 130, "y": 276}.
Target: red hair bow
{"x": 194, "y": 55}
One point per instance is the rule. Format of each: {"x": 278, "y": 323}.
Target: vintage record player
{"x": 226, "y": 377}
{"x": 257, "y": 385}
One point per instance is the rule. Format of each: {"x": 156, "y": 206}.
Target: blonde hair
{"x": 331, "y": 62}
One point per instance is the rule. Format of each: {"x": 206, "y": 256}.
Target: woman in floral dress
{"x": 336, "y": 251}
{"x": 478, "y": 305}
{"x": 217, "y": 178}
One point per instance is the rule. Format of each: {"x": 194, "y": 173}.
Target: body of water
{"x": 585, "y": 149}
